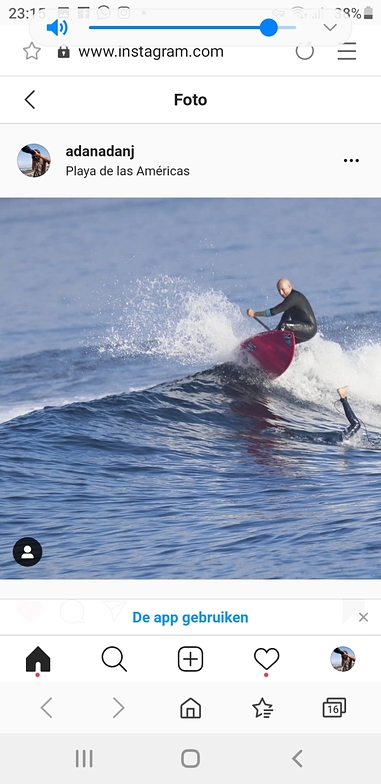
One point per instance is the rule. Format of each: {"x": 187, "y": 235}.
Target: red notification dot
{"x": 37, "y": 674}
{"x": 266, "y": 675}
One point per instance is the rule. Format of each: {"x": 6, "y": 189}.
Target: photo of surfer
{"x": 162, "y": 414}
{"x": 33, "y": 160}
{"x": 343, "y": 659}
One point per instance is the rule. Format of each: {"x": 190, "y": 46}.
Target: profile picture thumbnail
{"x": 343, "y": 659}
{"x": 33, "y": 160}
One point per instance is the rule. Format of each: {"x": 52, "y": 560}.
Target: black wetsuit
{"x": 354, "y": 423}
{"x": 298, "y": 316}
{"x": 331, "y": 436}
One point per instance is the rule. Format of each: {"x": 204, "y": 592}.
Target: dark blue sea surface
{"x": 134, "y": 443}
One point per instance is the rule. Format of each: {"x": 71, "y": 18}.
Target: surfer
{"x": 298, "y": 316}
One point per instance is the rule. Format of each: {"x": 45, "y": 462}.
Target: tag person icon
{"x": 27, "y": 551}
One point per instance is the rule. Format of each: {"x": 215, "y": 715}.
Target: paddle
{"x": 262, "y": 324}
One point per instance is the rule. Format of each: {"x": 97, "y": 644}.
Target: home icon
{"x": 190, "y": 709}
{"x": 38, "y": 661}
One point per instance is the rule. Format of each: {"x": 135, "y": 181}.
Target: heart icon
{"x": 266, "y": 658}
{"x": 29, "y": 610}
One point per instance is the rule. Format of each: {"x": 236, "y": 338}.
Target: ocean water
{"x": 133, "y": 444}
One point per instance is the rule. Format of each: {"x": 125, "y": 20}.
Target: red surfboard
{"x": 272, "y": 351}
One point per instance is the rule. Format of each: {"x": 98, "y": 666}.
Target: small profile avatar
{"x": 27, "y": 552}
{"x": 33, "y": 160}
{"x": 343, "y": 659}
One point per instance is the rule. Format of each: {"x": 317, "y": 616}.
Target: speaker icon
{"x": 58, "y": 27}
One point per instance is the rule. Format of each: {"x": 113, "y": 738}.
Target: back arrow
{"x": 28, "y": 102}
{"x": 121, "y": 708}
{"x": 295, "y": 758}
{"x": 43, "y": 708}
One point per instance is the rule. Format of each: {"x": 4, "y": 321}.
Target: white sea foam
{"x": 176, "y": 320}
{"x": 170, "y": 318}
{"x": 323, "y": 365}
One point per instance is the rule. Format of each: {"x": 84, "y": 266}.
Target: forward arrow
{"x": 121, "y": 708}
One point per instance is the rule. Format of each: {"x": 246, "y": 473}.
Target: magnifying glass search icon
{"x": 113, "y": 657}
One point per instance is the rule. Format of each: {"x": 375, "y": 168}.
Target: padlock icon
{"x": 64, "y": 52}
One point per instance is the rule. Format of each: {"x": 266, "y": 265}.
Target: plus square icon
{"x": 190, "y": 659}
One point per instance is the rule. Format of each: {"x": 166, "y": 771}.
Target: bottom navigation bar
{"x": 145, "y": 758}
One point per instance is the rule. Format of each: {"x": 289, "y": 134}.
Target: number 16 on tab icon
{"x": 334, "y": 707}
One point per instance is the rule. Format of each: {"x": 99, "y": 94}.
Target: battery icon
{"x": 368, "y": 12}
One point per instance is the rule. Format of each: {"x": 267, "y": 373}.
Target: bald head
{"x": 284, "y": 287}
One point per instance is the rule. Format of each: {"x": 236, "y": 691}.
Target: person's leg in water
{"x": 336, "y": 436}
{"x": 354, "y": 423}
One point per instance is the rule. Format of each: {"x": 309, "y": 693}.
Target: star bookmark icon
{"x": 263, "y": 709}
{"x": 31, "y": 51}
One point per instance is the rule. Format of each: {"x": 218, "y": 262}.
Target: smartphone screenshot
{"x": 190, "y": 400}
